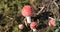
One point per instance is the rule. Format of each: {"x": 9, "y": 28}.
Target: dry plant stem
{"x": 40, "y": 10}
{"x": 25, "y": 21}
{"x": 48, "y": 29}
{"x": 6, "y": 28}
{"x": 57, "y": 8}
{"x": 37, "y": 20}
{"x": 9, "y": 17}
{"x": 56, "y": 4}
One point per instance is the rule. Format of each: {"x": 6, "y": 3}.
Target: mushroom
{"x": 27, "y": 12}
{"x": 21, "y": 26}
{"x": 33, "y": 26}
{"x": 52, "y": 22}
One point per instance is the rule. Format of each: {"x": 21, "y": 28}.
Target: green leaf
{"x": 57, "y": 22}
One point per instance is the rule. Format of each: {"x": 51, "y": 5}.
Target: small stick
{"x": 40, "y": 10}
{"x": 9, "y": 17}
{"x": 25, "y": 22}
{"x": 51, "y": 18}
{"x": 56, "y": 4}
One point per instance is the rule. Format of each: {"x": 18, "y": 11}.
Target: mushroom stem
{"x": 34, "y": 30}
{"x": 28, "y": 19}
{"x": 50, "y": 18}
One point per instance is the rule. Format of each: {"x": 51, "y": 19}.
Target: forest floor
{"x": 11, "y": 17}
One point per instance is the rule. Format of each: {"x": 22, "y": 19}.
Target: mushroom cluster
{"x": 28, "y": 12}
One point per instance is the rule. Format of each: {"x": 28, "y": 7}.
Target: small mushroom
{"x": 33, "y": 26}
{"x": 52, "y": 22}
{"x": 27, "y": 12}
{"x": 21, "y": 26}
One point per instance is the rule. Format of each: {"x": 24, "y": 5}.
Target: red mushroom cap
{"x": 21, "y": 26}
{"x": 52, "y": 22}
{"x": 27, "y": 11}
{"x": 33, "y": 25}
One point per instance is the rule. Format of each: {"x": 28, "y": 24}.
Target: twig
{"x": 40, "y": 10}
{"x": 9, "y": 17}
{"x": 25, "y": 21}
{"x": 56, "y": 4}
